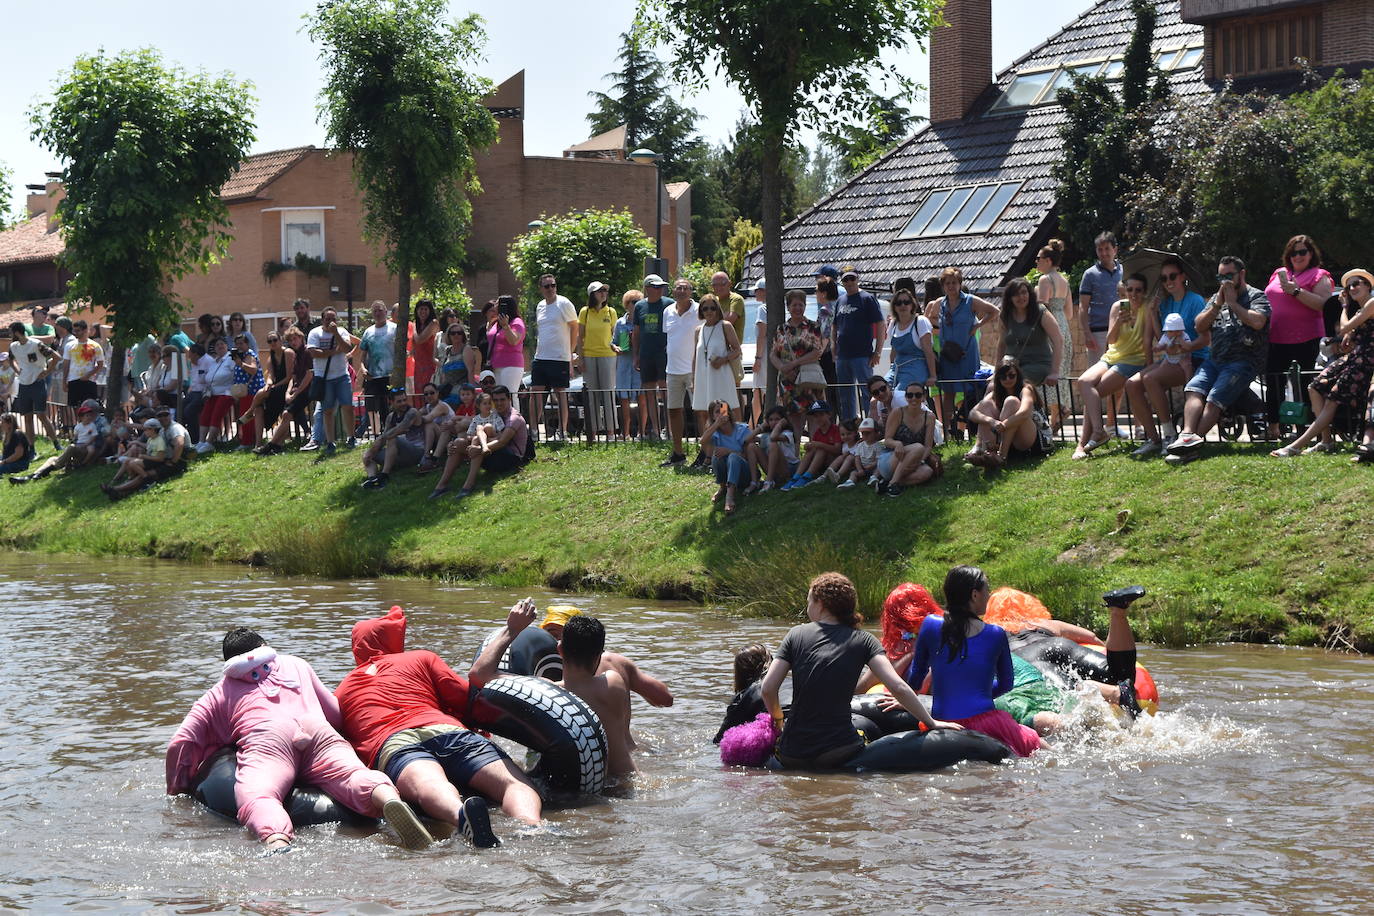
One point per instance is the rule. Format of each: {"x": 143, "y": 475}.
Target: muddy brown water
{"x": 1249, "y": 793}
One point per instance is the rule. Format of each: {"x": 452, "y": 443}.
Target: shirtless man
{"x": 556, "y": 617}
{"x": 583, "y": 641}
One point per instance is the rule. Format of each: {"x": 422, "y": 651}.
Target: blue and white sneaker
{"x": 474, "y": 823}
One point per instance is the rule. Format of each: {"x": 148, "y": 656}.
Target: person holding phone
{"x": 328, "y": 346}
{"x": 1297, "y": 292}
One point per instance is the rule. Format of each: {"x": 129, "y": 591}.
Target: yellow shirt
{"x": 597, "y": 325}
{"x": 1129, "y": 346}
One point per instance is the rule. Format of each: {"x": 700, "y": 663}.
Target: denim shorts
{"x": 1222, "y": 383}
{"x": 338, "y": 392}
{"x": 627, "y": 382}
{"x": 1125, "y": 370}
{"x": 461, "y": 753}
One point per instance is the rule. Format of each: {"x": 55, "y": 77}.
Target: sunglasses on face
{"x": 880, "y": 390}
{"x": 1223, "y": 278}
{"x": 547, "y": 285}
{"x": 1169, "y": 278}
{"x": 914, "y": 395}
{"x": 710, "y": 308}
{"x": 1356, "y": 282}
{"x": 1301, "y": 252}
{"x": 1135, "y": 290}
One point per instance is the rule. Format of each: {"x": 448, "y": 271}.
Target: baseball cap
{"x": 849, "y": 272}
{"x": 868, "y": 423}
{"x": 595, "y": 286}
{"x": 151, "y": 424}
{"x": 819, "y": 407}
{"x": 828, "y": 270}
{"x": 760, "y": 284}
{"x": 654, "y": 280}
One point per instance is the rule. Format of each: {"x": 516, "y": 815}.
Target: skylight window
{"x": 1041, "y": 87}
{"x": 969, "y": 210}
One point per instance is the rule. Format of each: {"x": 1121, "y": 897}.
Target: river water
{"x": 1250, "y": 792}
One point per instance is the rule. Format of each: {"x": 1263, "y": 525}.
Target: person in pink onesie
{"x": 283, "y": 722}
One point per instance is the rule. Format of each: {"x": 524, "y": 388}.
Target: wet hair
{"x": 240, "y": 640}
{"x": 837, "y": 596}
{"x": 1054, "y": 250}
{"x": 429, "y": 313}
{"x": 960, "y": 583}
{"x": 1034, "y": 311}
{"x": 584, "y": 639}
{"x": 506, "y": 305}
{"x": 751, "y": 663}
{"x": 1105, "y": 237}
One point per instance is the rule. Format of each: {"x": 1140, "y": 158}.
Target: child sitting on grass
{"x": 865, "y": 454}
{"x": 487, "y": 424}
{"x": 844, "y": 462}
{"x": 777, "y": 455}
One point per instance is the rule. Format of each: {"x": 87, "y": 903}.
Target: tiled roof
{"x": 22, "y": 310}
{"x": 858, "y": 223}
{"x": 258, "y": 171}
{"x": 29, "y": 242}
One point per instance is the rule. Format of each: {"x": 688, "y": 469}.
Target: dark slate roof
{"x": 859, "y": 222}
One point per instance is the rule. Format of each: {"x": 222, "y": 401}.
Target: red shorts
{"x": 998, "y": 724}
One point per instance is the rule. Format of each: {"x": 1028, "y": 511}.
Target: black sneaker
{"x": 673, "y": 460}
{"x": 380, "y": 481}
{"x": 474, "y": 823}
{"x": 1129, "y": 704}
{"x": 895, "y": 489}
{"x": 700, "y": 461}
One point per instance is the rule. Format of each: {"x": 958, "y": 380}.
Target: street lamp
{"x": 648, "y": 155}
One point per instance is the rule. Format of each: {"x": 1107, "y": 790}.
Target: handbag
{"x": 317, "y": 382}
{"x": 238, "y": 390}
{"x": 950, "y": 351}
{"x": 1294, "y": 413}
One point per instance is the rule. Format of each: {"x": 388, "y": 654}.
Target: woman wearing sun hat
{"x": 1346, "y": 379}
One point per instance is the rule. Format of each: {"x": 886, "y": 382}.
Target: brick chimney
{"x": 960, "y": 59}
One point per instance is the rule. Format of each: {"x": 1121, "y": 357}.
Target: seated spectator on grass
{"x": 910, "y": 439}
{"x": 399, "y": 445}
{"x": 505, "y": 453}
{"x": 165, "y": 456}
{"x": 730, "y": 443}
{"x": 1238, "y": 319}
{"x": 1009, "y": 421}
{"x": 16, "y": 451}
{"x": 865, "y": 452}
{"x": 1131, "y": 331}
{"x": 1175, "y": 361}
{"x": 436, "y": 416}
{"x": 822, "y": 447}
{"x": 776, "y": 450}
{"x": 839, "y": 469}
{"x": 87, "y": 445}
{"x": 882, "y": 398}
{"x": 485, "y": 424}
{"x": 1346, "y": 380}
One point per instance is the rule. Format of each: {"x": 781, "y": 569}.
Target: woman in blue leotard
{"x": 969, "y": 662}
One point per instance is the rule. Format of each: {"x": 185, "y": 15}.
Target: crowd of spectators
{"x": 670, "y": 360}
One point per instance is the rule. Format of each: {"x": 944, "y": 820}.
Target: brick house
{"x": 303, "y": 201}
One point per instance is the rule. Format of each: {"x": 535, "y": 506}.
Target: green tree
{"x": 790, "y": 70}
{"x": 741, "y": 176}
{"x": 857, "y": 145}
{"x": 145, "y": 149}
{"x": 578, "y": 248}
{"x": 819, "y": 177}
{"x": 401, "y": 97}
{"x": 698, "y": 273}
{"x": 712, "y": 212}
{"x": 745, "y": 236}
{"x": 1106, "y": 138}
{"x": 7, "y": 219}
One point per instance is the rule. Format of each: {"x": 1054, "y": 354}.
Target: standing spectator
{"x": 378, "y": 348}
{"x": 1297, "y": 293}
{"x": 459, "y": 362}
{"x": 713, "y": 378}
{"x": 328, "y": 345}
{"x": 1030, "y": 335}
{"x": 959, "y": 315}
{"x": 422, "y": 346}
{"x": 301, "y": 310}
{"x": 196, "y": 390}
{"x": 38, "y": 325}
{"x": 140, "y": 360}
{"x": 34, "y": 362}
{"x": 248, "y": 381}
{"x": 1099, "y": 289}
{"x": 1346, "y": 379}
{"x": 1052, "y": 289}
{"x": 506, "y": 343}
{"x": 680, "y": 323}
{"x": 558, "y": 333}
{"x": 84, "y": 359}
{"x": 596, "y": 353}
{"x": 7, "y": 376}
{"x": 16, "y": 451}
{"x": 795, "y": 357}
{"x": 649, "y": 346}
{"x": 219, "y": 379}
{"x": 761, "y": 343}
{"x": 238, "y": 324}
{"x": 1148, "y": 392}
{"x": 479, "y": 325}
{"x": 827, "y": 299}
{"x": 1238, "y": 319}
{"x": 1130, "y": 339}
{"x": 627, "y": 380}
{"x": 732, "y": 307}
{"x": 400, "y": 444}
{"x": 913, "y": 356}
{"x": 859, "y": 335}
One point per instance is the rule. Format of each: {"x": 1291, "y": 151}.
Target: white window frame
{"x": 285, "y": 212}
{"x": 1016, "y": 184}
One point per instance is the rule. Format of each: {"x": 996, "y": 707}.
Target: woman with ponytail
{"x": 825, "y": 657}
{"x": 969, "y": 662}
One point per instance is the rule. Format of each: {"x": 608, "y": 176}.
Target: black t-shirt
{"x": 12, "y": 444}
{"x": 826, "y": 660}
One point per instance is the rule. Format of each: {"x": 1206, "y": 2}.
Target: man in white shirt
{"x": 33, "y": 362}
{"x": 680, "y": 322}
{"x": 558, "y": 330}
{"x": 329, "y": 345}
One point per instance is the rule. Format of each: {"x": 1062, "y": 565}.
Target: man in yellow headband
{"x": 556, "y": 616}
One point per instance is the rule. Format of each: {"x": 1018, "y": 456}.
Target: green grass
{"x": 1235, "y": 546}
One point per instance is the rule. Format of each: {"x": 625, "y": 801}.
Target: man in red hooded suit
{"x": 403, "y": 711}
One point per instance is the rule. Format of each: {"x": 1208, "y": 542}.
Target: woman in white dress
{"x": 712, "y": 377}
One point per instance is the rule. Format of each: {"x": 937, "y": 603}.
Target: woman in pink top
{"x": 422, "y": 347}
{"x": 1297, "y": 294}
{"x": 506, "y": 344}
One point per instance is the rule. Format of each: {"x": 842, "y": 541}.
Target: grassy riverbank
{"x": 1236, "y": 546}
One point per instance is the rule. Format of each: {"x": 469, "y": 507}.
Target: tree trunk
{"x": 114, "y": 384}
{"x": 771, "y": 199}
{"x": 398, "y": 366}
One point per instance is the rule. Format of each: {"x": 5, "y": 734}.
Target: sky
{"x": 566, "y": 48}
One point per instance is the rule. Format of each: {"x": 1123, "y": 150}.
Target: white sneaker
{"x": 847, "y": 485}
{"x": 765, "y": 486}
{"x": 1184, "y": 442}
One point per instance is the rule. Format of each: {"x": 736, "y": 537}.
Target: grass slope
{"x": 1235, "y": 546}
